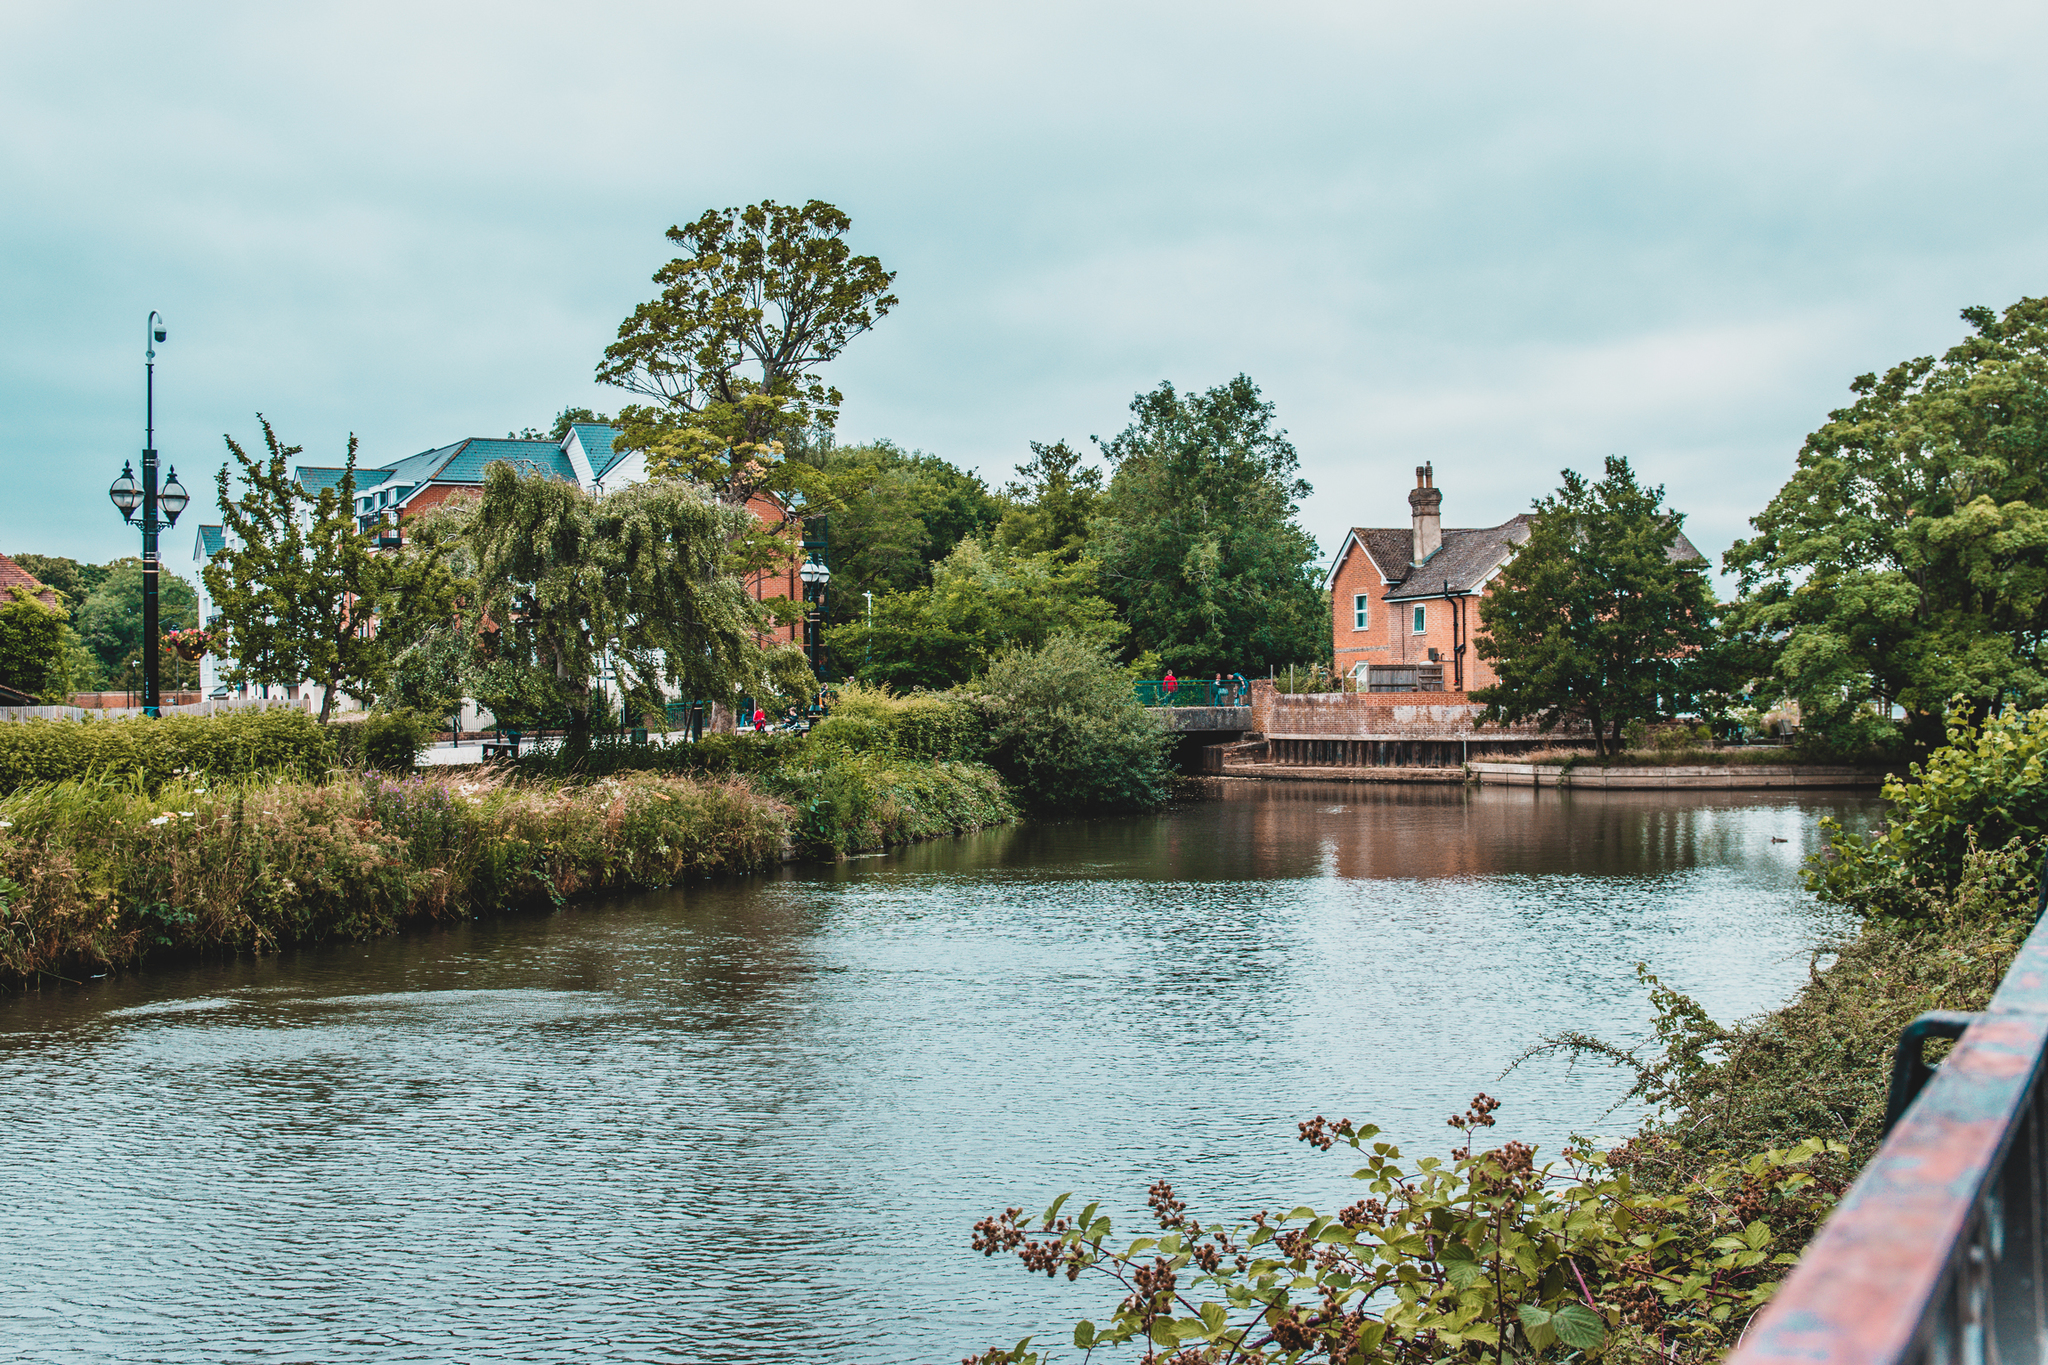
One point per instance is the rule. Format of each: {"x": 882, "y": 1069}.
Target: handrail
{"x": 1190, "y": 692}
{"x": 1935, "y": 1253}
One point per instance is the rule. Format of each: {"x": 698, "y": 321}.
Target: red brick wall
{"x": 1389, "y": 636}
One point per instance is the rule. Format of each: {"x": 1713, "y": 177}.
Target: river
{"x": 755, "y": 1119}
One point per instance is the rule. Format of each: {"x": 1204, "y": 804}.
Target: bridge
{"x": 1935, "y": 1255}
{"x": 1204, "y": 715}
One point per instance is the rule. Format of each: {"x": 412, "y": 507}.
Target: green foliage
{"x": 31, "y": 642}
{"x": 1984, "y": 788}
{"x": 72, "y": 580}
{"x": 849, "y": 802}
{"x": 294, "y": 586}
{"x": 1197, "y": 538}
{"x": 1484, "y": 1257}
{"x": 892, "y": 515}
{"x": 1066, "y": 733}
{"x": 923, "y": 725}
{"x": 383, "y": 741}
{"x": 149, "y": 752}
{"x": 1906, "y": 560}
{"x": 565, "y": 581}
{"x": 108, "y": 621}
{"x": 1592, "y": 619}
{"x": 983, "y": 600}
{"x": 762, "y": 297}
{"x": 105, "y": 876}
{"x": 1051, "y": 504}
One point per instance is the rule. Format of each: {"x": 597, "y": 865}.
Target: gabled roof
{"x": 12, "y": 575}
{"x": 599, "y": 444}
{"x": 1465, "y": 560}
{"x": 212, "y": 540}
{"x": 317, "y": 479}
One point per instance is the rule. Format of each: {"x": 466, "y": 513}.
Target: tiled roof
{"x": 317, "y": 480}
{"x": 1468, "y": 554}
{"x": 599, "y": 446}
{"x": 12, "y": 575}
{"x": 211, "y": 541}
{"x": 473, "y": 457}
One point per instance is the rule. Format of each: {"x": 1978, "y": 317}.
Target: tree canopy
{"x": 983, "y": 599}
{"x": 294, "y": 585}
{"x": 1593, "y": 618}
{"x": 729, "y": 351}
{"x": 31, "y": 642}
{"x": 1197, "y": 539}
{"x": 630, "y": 584}
{"x": 1051, "y": 503}
{"x": 1905, "y": 562}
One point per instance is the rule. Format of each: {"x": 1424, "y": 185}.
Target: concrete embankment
{"x": 1706, "y": 777}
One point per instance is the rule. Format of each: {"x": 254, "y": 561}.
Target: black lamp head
{"x": 125, "y": 492}
{"x": 172, "y": 498}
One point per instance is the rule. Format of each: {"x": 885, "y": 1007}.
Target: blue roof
{"x": 211, "y": 541}
{"x": 317, "y": 480}
{"x": 598, "y": 444}
{"x": 472, "y": 457}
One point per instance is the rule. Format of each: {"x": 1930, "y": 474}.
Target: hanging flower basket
{"x": 189, "y": 645}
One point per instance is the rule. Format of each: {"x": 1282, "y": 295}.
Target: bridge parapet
{"x": 1935, "y": 1254}
{"x": 1182, "y": 720}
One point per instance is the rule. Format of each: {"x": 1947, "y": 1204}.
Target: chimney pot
{"x": 1425, "y": 506}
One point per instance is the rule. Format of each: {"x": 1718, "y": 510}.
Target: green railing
{"x": 1189, "y": 693}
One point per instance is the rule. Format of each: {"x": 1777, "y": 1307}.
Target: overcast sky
{"x": 1505, "y": 238}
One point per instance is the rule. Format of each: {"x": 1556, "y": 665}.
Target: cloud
{"x": 1502, "y": 237}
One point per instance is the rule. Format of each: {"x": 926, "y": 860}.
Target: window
{"x": 1358, "y": 607}
{"x": 1421, "y": 620}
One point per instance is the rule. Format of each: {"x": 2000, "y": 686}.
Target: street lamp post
{"x": 815, "y": 577}
{"x": 170, "y": 500}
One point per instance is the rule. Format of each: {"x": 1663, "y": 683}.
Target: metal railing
{"x": 1935, "y": 1253}
{"x": 1192, "y": 693}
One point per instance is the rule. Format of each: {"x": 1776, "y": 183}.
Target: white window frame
{"x": 1361, "y": 603}
{"x": 1421, "y": 619}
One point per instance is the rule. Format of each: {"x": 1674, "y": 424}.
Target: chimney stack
{"x": 1425, "y": 505}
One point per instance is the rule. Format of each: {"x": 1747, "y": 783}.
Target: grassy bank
{"x": 97, "y": 876}
{"x": 1672, "y": 758}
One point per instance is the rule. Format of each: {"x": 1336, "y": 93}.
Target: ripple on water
{"x": 757, "y": 1119}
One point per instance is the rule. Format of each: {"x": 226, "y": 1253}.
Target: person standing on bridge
{"x": 1171, "y": 683}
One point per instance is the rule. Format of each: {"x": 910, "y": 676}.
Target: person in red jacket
{"x": 760, "y": 720}
{"x": 1171, "y": 683}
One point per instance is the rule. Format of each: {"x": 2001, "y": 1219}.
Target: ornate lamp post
{"x": 170, "y": 500}
{"x": 815, "y": 576}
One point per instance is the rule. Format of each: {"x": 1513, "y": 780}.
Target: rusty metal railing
{"x": 1935, "y": 1253}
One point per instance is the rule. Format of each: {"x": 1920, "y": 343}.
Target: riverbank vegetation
{"x": 1658, "y": 1249}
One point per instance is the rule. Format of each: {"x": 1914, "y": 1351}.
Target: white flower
{"x": 185, "y": 815}
{"x": 6, "y": 824}
{"x": 161, "y": 820}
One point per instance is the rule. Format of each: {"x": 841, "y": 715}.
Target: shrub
{"x": 1486, "y": 1256}
{"x": 1066, "y": 733}
{"x": 383, "y": 741}
{"x": 1984, "y": 789}
{"x": 922, "y": 725}
{"x": 850, "y": 803}
{"x": 155, "y": 751}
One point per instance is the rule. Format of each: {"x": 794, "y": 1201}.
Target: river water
{"x": 755, "y": 1120}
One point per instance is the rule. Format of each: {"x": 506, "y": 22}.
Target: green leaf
{"x": 1214, "y": 1318}
{"x": 1084, "y": 1334}
{"x": 1579, "y": 1327}
{"x": 1054, "y": 1211}
{"x": 1464, "y": 1274}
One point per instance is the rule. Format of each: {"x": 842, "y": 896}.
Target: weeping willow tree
{"x": 553, "y": 587}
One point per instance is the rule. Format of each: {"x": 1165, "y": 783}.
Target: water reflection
{"x": 756, "y": 1119}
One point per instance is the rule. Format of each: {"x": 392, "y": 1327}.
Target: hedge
{"x": 155, "y": 751}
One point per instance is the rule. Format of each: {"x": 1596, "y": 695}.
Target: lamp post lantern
{"x": 149, "y": 500}
{"x": 815, "y": 576}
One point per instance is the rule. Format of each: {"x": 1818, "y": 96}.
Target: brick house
{"x": 1404, "y": 601}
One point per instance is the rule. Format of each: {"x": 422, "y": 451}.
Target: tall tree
{"x": 1905, "y": 562}
{"x": 894, "y": 514}
{"x": 1051, "y": 503}
{"x": 729, "y": 352}
{"x": 635, "y": 582}
{"x": 1597, "y": 617}
{"x": 1197, "y": 537}
{"x": 294, "y": 585}
{"x": 31, "y": 643}
{"x": 109, "y": 620}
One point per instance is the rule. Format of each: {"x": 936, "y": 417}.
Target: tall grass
{"x": 96, "y": 876}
